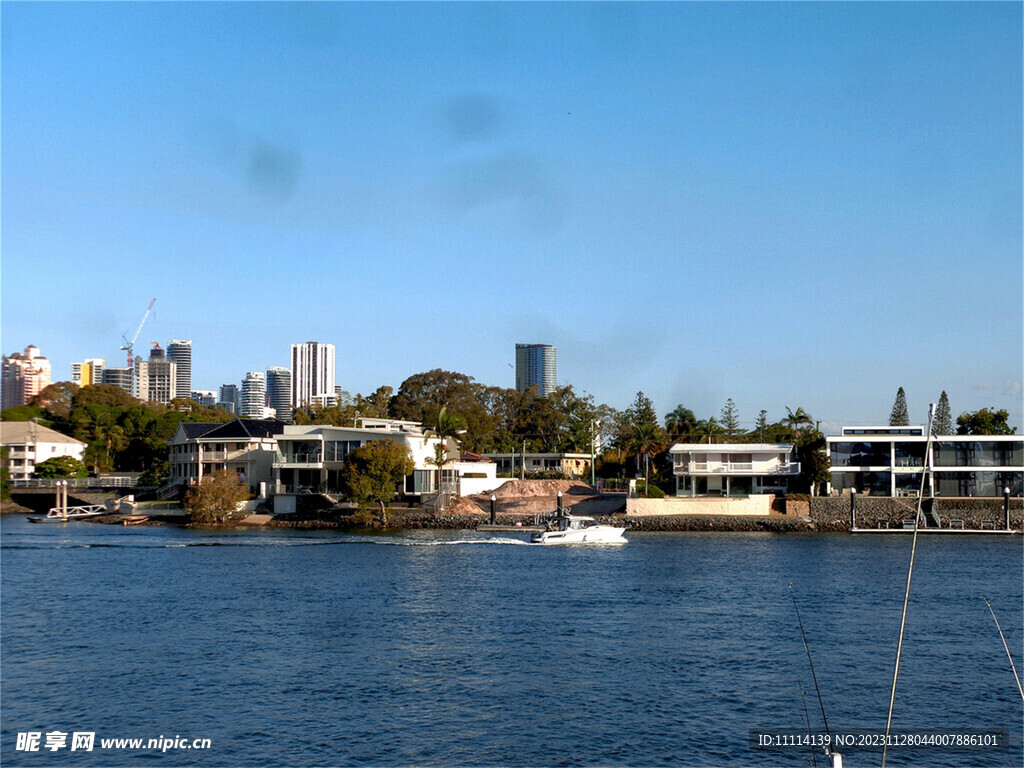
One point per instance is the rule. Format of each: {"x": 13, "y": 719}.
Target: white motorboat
{"x": 576, "y": 529}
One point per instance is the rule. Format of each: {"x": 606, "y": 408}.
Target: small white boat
{"x": 576, "y": 529}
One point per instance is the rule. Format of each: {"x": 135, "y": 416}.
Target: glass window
{"x": 861, "y": 454}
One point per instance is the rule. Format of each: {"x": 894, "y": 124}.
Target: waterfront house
{"x": 889, "y": 461}
{"x": 572, "y": 465}
{"x": 310, "y": 459}
{"x": 245, "y": 446}
{"x": 28, "y": 443}
{"x": 732, "y": 469}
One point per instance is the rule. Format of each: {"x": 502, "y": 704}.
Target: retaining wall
{"x": 701, "y": 505}
{"x": 833, "y": 513}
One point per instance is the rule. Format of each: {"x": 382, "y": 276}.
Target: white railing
{"x": 77, "y": 482}
{"x": 728, "y": 467}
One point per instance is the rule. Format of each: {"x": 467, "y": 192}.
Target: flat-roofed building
{"x": 732, "y": 469}
{"x": 889, "y": 461}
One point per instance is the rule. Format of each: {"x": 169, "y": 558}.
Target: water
{"x": 462, "y": 649}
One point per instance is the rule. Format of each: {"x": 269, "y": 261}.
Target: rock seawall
{"x": 833, "y": 513}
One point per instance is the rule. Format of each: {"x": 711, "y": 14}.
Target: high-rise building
{"x": 120, "y": 377}
{"x": 279, "y": 391}
{"x": 253, "y": 401}
{"x": 25, "y": 375}
{"x": 312, "y": 372}
{"x": 179, "y": 351}
{"x": 204, "y": 396}
{"x": 156, "y": 379}
{"x": 536, "y": 364}
{"x": 89, "y": 371}
{"x": 227, "y": 397}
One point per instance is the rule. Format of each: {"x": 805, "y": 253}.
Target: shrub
{"x": 651, "y": 491}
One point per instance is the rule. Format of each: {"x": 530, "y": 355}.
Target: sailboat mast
{"x": 910, "y": 575}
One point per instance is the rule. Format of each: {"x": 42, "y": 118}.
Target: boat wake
{"x": 351, "y": 540}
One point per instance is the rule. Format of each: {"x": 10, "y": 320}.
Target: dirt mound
{"x": 521, "y": 489}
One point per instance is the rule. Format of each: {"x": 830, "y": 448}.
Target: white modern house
{"x": 310, "y": 459}
{"x": 28, "y": 444}
{"x": 889, "y": 461}
{"x": 732, "y": 469}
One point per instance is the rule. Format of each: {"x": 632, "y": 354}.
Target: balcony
{"x": 736, "y": 468}
{"x": 299, "y": 460}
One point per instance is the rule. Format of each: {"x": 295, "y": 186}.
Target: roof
{"x": 194, "y": 429}
{"x": 731, "y": 448}
{"x": 23, "y": 432}
{"x": 245, "y": 428}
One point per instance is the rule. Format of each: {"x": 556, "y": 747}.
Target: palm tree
{"x": 796, "y": 419}
{"x": 646, "y": 440}
{"x": 680, "y": 422}
{"x": 110, "y": 434}
{"x": 445, "y": 427}
{"x": 708, "y": 429}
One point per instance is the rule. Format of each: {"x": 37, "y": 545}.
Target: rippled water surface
{"x": 457, "y": 648}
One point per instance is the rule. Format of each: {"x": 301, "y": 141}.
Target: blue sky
{"x": 788, "y": 204}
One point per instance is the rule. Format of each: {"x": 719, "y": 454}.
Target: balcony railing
{"x": 736, "y": 467}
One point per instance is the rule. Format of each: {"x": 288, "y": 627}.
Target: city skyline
{"x": 788, "y": 205}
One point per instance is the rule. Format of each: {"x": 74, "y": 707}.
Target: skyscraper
{"x": 536, "y": 364}
{"x": 279, "y": 391}
{"x": 312, "y": 373}
{"x": 120, "y": 377}
{"x": 228, "y": 397}
{"x": 24, "y": 376}
{"x": 254, "y": 396}
{"x": 89, "y": 371}
{"x": 179, "y": 351}
{"x": 156, "y": 379}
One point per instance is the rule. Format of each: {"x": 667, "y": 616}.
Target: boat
{"x": 563, "y": 528}
{"x": 135, "y": 520}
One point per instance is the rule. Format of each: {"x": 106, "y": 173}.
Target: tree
{"x": 60, "y": 466}
{"x": 761, "y": 426}
{"x": 421, "y": 395}
{"x": 216, "y": 499}
{"x": 796, "y": 420}
{"x": 708, "y": 430}
{"x": 730, "y": 418}
{"x": 444, "y": 427}
{"x": 899, "y": 416}
{"x": 986, "y": 421}
{"x": 681, "y": 422}
{"x": 642, "y": 435}
{"x": 104, "y": 394}
{"x": 57, "y": 399}
{"x": 814, "y": 461}
{"x": 372, "y": 472}
{"x": 943, "y": 416}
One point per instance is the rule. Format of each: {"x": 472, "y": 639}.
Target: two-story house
{"x": 737, "y": 469}
{"x": 245, "y": 446}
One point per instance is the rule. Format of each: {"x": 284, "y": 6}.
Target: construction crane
{"x": 129, "y": 345}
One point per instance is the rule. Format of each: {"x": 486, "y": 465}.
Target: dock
{"x": 954, "y": 531}
{"x": 486, "y": 528}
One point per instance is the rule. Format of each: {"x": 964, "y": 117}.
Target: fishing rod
{"x": 910, "y": 573}
{"x": 1007, "y": 647}
{"x": 808, "y": 650}
{"x": 807, "y": 722}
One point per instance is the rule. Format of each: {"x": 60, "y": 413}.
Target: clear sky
{"x": 788, "y": 204}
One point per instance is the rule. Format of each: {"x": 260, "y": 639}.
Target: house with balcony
{"x": 889, "y": 461}
{"x": 732, "y": 469}
{"x": 310, "y": 459}
{"x": 245, "y": 446}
